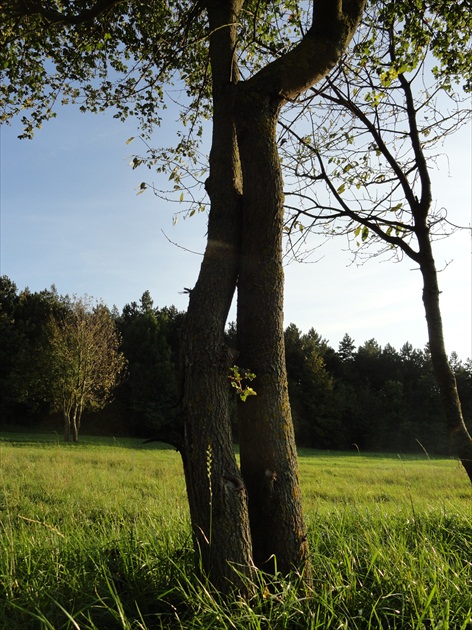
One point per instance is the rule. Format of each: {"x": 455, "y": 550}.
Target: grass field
{"x": 96, "y": 536}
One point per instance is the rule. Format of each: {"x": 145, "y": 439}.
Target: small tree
{"x": 82, "y": 362}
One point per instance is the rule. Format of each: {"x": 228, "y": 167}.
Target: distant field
{"x": 389, "y": 483}
{"x": 96, "y": 536}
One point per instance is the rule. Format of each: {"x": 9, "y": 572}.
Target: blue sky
{"x": 70, "y": 215}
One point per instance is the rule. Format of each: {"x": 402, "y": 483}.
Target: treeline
{"x": 370, "y": 398}
{"x": 366, "y": 398}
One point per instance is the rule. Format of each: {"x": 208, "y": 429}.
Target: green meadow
{"x": 95, "y": 536}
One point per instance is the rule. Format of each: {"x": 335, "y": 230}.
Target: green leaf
{"x": 247, "y": 392}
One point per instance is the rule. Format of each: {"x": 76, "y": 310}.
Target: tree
{"x": 23, "y": 317}
{"x": 268, "y": 457}
{"x": 346, "y": 348}
{"x": 81, "y": 362}
{"x": 108, "y": 53}
{"x": 11, "y": 341}
{"x": 311, "y": 390}
{"x": 383, "y": 114}
{"x": 150, "y": 388}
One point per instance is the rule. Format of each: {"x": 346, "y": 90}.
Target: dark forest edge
{"x": 369, "y": 398}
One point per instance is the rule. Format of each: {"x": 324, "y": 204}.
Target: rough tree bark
{"x": 267, "y": 443}
{"x": 216, "y": 492}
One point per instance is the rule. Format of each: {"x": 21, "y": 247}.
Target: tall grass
{"x": 96, "y": 536}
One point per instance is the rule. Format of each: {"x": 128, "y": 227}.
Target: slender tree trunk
{"x": 67, "y": 424}
{"x": 76, "y": 423}
{"x": 216, "y": 492}
{"x": 267, "y": 443}
{"x": 460, "y": 439}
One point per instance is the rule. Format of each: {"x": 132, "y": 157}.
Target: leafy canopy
{"x": 107, "y": 54}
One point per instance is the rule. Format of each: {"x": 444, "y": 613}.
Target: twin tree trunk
{"x": 254, "y": 515}
{"x": 72, "y": 418}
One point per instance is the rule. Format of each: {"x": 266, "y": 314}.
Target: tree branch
{"x": 369, "y": 222}
{"x": 334, "y": 23}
